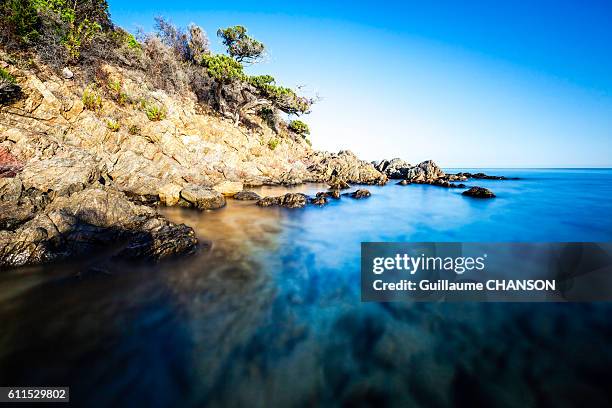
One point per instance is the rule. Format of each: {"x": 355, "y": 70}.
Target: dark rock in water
{"x": 479, "y": 192}
{"x": 359, "y": 194}
{"x": 482, "y": 176}
{"x": 461, "y": 185}
{"x": 289, "y": 200}
{"x": 9, "y": 165}
{"x": 86, "y": 221}
{"x": 320, "y": 199}
{"x": 201, "y": 198}
{"x": 247, "y": 196}
{"x": 335, "y": 194}
{"x": 403, "y": 183}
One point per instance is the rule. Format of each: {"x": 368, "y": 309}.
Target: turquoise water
{"x": 270, "y": 315}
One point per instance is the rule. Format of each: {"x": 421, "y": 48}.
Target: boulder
{"x": 170, "y": 194}
{"x": 201, "y": 198}
{"x": 289, "y": 200}
{"x": 246, "y": 196}
{"x": 358, "y": 194}
{"x": 228, "y": 188}
{"x": 479, "y": 192}
{"x": 319, "y": 200}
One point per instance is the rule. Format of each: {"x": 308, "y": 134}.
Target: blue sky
{"x": 467, "y": 84}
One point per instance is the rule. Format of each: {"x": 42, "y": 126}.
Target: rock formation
{"x": 479, "y": 192}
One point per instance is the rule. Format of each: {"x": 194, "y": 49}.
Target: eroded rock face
{"x": 345, "y": 166}
{"x": 246, "y": 196}
{"x": 289, "y": 200}
{"x": 9, "y": 165}
{"x": 479, "y": 192}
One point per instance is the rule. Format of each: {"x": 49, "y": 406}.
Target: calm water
{"x": 270, "y": 314}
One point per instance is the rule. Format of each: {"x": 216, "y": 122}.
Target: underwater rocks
{"x": 246, "y": 196}
{"x": 479, "y": 192}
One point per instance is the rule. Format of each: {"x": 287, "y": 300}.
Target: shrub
{"x": 113, "y": 125}
{"x": 19, "y": 22}
{"x": 239, "y": 45}
{"x": 308, "y": 142}
{"x": 155, "y": 112}
{"x": 162, "y": 69}
{"x": 299, "y": 127}
{"x": 188, "y": 46}
{"x": 273, "y": 143}
{"x": 134, "y": 129}
{"x": 6, "y": 77}
{"x": 223, "y": 68}
{"x": 91, "y": 98}
{"x": 283, "y": 98}
{"x": 117, "y": 93}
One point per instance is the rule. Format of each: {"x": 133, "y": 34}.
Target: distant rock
{"x": 358, "y": 194}
{"x": 246, "y": 196}
{"x": 394, "y": 168}
{"x": 479, "y": 192}
{"x": 289, "y": 200}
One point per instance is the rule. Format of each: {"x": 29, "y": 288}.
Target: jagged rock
{"x": 247, "y": 196}
{"x": 228, "y": 188}
{"x": 319, "y": 199}
{"x": 338, "y": 184}
{"x": 170, "y": 194}
{"x": 289, "y": 200}
{"x": 88, "y": 220}
{"x": 358, "y": 194}
{"x": 394, "y": 168}
{"x": 62, "y": 174}
{"x": 425, "y": 172}
{"x": 201, "y": 198}
{"x": 335, "y": 194}
{"x": 479, "y": 192}
{"x": 9, "y": 165}
{"x": 325, "y": 166}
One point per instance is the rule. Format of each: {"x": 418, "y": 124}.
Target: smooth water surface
{"x": 269, "y": 313}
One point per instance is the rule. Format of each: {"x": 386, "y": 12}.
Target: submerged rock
{"x": 479, "y": 192}
{"x": 289, "y": 200}
{"x": 362, "y": 193}
{"x": 403, "y": 183}
{"x": 247, "y": 196}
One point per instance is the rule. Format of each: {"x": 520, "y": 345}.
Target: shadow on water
{"x": 270, "y": 315}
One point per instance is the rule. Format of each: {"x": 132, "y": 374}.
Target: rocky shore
{"x": 70, "y": 183}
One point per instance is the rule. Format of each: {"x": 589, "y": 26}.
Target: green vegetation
{"x": 273, "y": 143}
{"x": 155, "y": 112}
{"x": 299, "y": 127}
{"x": 113, "y": 125}
{"x": 240, "y": 46}
{"x": 134, "y": 129}
{"x": 176, "y": 60}
{"x": 5, "y": 76}
{"x": 91, "y": 98}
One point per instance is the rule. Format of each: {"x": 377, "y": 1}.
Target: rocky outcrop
{"x": 289, "y": 200}
{"x": 479, "y": 192}
{"x": 394, "y": 168}
{"x": 345, "y": 166}
{"x": 358, "y": 194}
{"x": 246, "y": 196}
{"x": 89, "y": 220}
{"x": 482, "y": 176}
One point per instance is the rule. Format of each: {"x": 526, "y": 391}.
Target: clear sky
{"x": 467, "y": 84}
